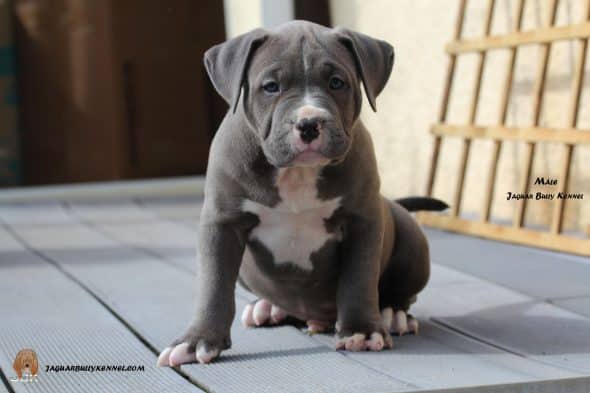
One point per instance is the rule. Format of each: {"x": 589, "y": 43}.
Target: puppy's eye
{"x": 271, "y": 87}
{"x": 337, "y": 83}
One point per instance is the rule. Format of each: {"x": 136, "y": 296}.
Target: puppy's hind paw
{"x": 262, "y": 312}
{"x": 360, "y": 342}
{"x": 399, "y": 322}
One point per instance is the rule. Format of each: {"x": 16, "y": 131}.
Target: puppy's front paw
{"x": 363, "y": 342}
{"x": 193, "y": 347}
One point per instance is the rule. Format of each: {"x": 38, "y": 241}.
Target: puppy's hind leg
{"x": 406, "y": 275}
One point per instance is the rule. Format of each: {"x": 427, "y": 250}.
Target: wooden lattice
{"x": 570, "y": 136}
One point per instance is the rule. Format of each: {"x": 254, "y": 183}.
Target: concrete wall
{"x": 410, "y": 103}
{"x": 419, "y": 29}
{"x": 244, "y": 15}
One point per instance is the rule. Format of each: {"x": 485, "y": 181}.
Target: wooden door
{"x": 114, "y": 90}
{"x": 170, "y": 109}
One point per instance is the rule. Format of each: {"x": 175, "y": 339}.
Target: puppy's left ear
{"x": 373, "y": 58}
{"x": 227, "y": 64}
{"x": 35, "y": 365}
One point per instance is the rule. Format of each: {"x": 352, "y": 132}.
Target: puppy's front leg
{"x": 359, "y": 325}
{"x": 221, "y": 246}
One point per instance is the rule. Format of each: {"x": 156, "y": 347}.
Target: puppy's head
{"x": 300, "y": 87}
{"x": 26, "y": 363}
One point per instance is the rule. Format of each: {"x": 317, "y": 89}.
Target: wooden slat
{"x": 507, "y": 233}
{"x": 537, "y": 36}
{"x": 466, "y": 147}
{"x": 557, "y": 275}
{"x": 528, "y": 134}
{"x": 446, "y": 97}
{"x": 576, "y": 93}
{"x": 489, "y": 190}
{"x": 539, "y": 89}
{"x": 512, "y": 321}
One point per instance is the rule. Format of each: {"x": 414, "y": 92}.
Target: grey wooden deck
{"x": 111, "y": 282}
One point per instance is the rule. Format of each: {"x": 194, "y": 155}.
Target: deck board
{"x": 116, "y": 211}
{"x": 38, "y": 214}
{"x": 515, "y": 268}
{"x": 516, "y": 315}
{"x": 180, "y": 208}
{"x": 512, "y": 321}
{"x": 580, "y": 305}
{"x": 42, "y": 309}
{"x": 479, "y": 328}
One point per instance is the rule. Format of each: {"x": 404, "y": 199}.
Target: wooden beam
{"x": 507, "y": 233}
{"x": 505, "y": 100}
{"x": 466, "y": 147}
{"x": 526, "y": 134}
{"x": 538, "y": 93}
{"x": 537, "y": 36}
{"x": 445, "y": 100}
{"x": 576, "y": 93}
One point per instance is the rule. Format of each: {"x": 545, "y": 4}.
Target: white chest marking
{"x": 294, "y": 228}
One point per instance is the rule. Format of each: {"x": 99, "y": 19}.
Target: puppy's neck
{"x": 297, "y": 187}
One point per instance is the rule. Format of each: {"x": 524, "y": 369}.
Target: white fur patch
{"x": 294, "y": 228}
{"x": 310, "y": 109}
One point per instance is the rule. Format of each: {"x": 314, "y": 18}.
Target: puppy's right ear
{"x": 227, "y": 64}
{"x": 17, "y": 365}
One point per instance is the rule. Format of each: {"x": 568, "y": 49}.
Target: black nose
{"x": 309, "y": 129}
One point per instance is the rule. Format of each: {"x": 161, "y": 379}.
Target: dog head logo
{"x": 26, "y": 364}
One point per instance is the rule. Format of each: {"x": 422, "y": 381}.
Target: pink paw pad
{"x": 399, "y": 321}
{"x": 359, "y": 342}
{"x": 262, "y": 312}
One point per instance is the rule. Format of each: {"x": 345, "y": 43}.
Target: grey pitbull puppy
{"x": 292, "y": 206}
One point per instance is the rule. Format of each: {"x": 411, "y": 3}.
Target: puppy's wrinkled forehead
{"x": 300, "y": 52}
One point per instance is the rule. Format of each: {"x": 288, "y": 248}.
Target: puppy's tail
{"x": 413, "y": 204}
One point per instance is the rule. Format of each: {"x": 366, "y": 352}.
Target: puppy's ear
{"x": 17, "y": 365}
{"x": 373, "y": 58}
{"x": 227, "y": 64}
{"x": 35, "y": 364}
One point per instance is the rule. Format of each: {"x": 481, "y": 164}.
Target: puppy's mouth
{"x": 309, "y": 156}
